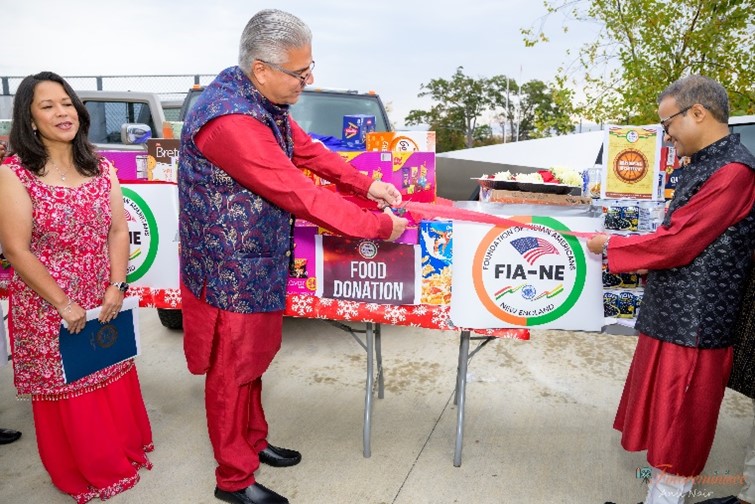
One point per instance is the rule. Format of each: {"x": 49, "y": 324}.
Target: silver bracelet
{"x": 67, "y": 307}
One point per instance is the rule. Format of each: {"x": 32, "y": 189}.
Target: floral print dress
{"x": 70, "y": 238}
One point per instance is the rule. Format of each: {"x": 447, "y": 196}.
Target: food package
{"x": 355, "y": 129}
{"x": 401, "y": 141}
{"x": 436, "y": 245}
{"x": 622, "y": 303}
{"x": 162, "y": 159}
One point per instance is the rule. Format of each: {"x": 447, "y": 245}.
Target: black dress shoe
{"x": 253, "y": 494}
{"x": 279, "y": 457}
{"x": 8, "y": 436}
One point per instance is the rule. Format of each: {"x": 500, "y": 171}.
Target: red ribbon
{"x": 429, "y": 211}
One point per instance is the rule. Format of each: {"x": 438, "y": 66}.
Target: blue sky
{"x": 391, "y": 47}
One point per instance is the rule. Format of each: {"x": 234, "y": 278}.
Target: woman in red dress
{"x": 63, "y": 229}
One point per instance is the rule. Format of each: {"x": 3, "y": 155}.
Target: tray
{"x": 513, "y": 185}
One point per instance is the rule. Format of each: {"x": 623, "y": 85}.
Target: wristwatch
{"x": 122, "y": 286}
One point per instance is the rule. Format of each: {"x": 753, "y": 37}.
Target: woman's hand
{"x": 111, "y": 304}
{"x": 74, "y": 315}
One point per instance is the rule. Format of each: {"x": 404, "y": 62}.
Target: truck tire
{"x": 171, "y": 319}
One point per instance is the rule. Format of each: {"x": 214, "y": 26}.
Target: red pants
{"x": 670, "y": 403}
{"x": 234, "y": 349}
{"x": 93, "y": 445}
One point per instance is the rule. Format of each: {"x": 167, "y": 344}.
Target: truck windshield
{"x": 322, "y": 113}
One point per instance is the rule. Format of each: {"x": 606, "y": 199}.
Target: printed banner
{"x": 369, "y": 271}
{"x": 631, "y": 160}
{"x": 517, "y": 276}
{"x": 152, "y": 217}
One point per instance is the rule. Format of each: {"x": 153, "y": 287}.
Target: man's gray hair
{"x": 699, "y": 89}
{"x": 269, "y": 35}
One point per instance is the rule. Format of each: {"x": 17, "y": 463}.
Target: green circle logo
{"x": 527, "y": 276}
{"x": 143, "y": 235}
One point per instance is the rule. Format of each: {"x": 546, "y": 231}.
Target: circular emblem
{"x": 367, "y": 249}
{"x": 311, "y": 283}
{"x": 404, "y": 144}
{"x": 143, "y": 235}
{"x": 529, "y": 292}
{"x": 632, "y": 136}
{"x": 106, "y": 336}
{"x": 631, "y": 166}
{"x": 529, "y": 277}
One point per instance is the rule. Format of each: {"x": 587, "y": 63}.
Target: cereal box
{"x": 436, "y": 246}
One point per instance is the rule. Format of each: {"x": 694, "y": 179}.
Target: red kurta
{"x": 235, "y": 349}
{"x": 673, "y": 394}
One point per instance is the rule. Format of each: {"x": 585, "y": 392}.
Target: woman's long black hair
{"x": 27, "y": 144}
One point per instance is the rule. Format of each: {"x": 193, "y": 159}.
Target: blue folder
{"x": 100, "y": 345}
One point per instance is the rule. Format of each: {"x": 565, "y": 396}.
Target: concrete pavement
{"x": 538, "y": 423}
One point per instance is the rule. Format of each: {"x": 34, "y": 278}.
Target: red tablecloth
{"x": 306, "y": 306}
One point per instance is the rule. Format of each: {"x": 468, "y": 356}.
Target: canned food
{"x": 610, "y": 304}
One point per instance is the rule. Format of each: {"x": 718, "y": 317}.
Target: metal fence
{"x": 169, "y": 87}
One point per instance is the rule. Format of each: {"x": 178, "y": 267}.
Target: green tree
{"x": 447, "y": 125}
{"x": 644, "y": 45}
{"x": 459, "y": 103}
{"x": 532, "y": 110}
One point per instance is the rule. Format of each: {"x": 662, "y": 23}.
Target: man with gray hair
{"x": 240, "y": 186}
{"x": 698, "y": 261}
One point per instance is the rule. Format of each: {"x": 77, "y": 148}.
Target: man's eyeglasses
{"x": 667, "y": 121}
{"x": 303, "y": 75}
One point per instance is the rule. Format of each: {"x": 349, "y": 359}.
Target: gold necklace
{"x": 62, "y": 174}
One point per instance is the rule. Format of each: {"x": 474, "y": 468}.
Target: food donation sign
{"x": 526, "y": 276}
{"x": 369, "y": 271}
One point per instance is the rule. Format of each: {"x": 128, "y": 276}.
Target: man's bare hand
{"x": 595, "y": 243}
{"x": 384, "y": 194}
{"x": 3, "y": 150}
{"x": 399, "y": 225}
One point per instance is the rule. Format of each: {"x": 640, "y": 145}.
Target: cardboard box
{"x": 409, "y": 237}
{"x": 302, "y": 278}
{"x": 401, "y": 141}
{"x": 125, "y": 163}
{"x": 412, "y": 173}
{"x": 436, "y": 246}
{"x": 162, "y": 159}
{"x": 355, "y": 129}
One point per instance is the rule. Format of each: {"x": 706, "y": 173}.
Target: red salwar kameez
{"x": 93, "y": 434}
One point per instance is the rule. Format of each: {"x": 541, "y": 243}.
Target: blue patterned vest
{"x": 234, "y": 243}
{"x": 697, "y": 305}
